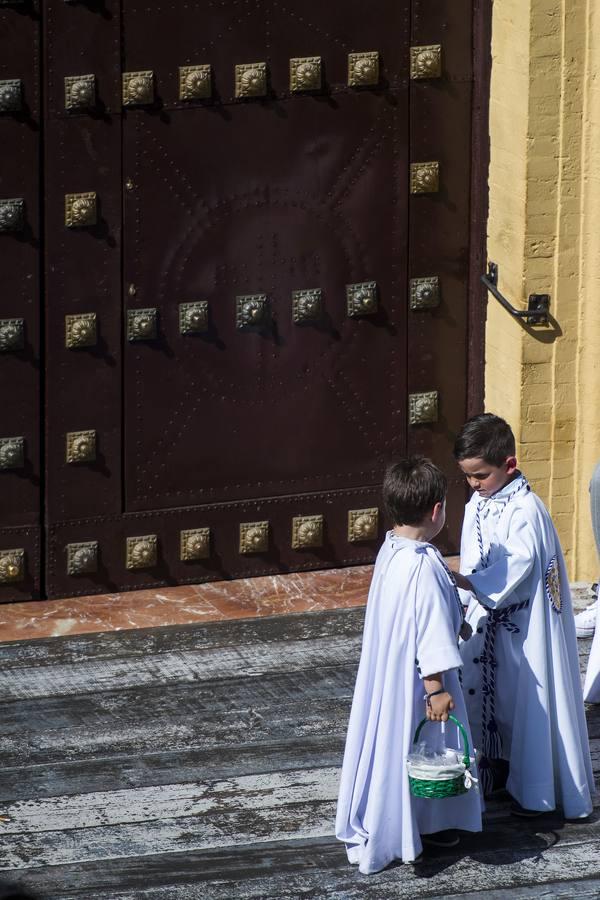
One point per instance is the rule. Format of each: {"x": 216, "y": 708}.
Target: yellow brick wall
{"x": 544, "y": 215}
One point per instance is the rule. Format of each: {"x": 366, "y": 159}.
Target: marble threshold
{"x": 269, "y": 595}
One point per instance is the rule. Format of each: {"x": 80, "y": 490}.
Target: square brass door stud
{"x": 363, "y": 68}
{"x": 307, "y": 531}
{"x": 361, "y": 299}
{"x": 251, "y": 309}
{"x": 82, "y": 558}
{"x": 80, "y": 91}
{"x": 423, "y": 408}
{"x": 142, "y": 551}
{"x": 12, "y": 214}
{"x": 254, "y": 537}
{"x": 363, "y": 524}
{"x": 424, "y": 178}
{"x": 424, "y": 293}
{"x": 307, "y": 306}
{"x": 194, "y": 544}
{"x": 142, "y": 324}
{"x": 12, "y": 453}
{"x": 81, "y": 210}
{"x": 81, "y": 330}
{"x": 11, "y": 95}
{"x": 251, "y": 80}
{"x": 426, "y": 61}
{"x": 305, "y": 73}
{"x": 81, "y": 446}
{"x": 12, "y": 335}
{"x": 195, "y": 82}
{"x": 138, "y": 88}
{"x": 12, "y": 565}
{"x": 193, "y": 317}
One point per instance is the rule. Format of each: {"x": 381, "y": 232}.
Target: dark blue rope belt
{"x": 490, "y": 737}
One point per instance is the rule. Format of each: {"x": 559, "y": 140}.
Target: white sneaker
{"x": 585, "y": 621}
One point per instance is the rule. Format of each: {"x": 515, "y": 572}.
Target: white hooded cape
{"x": 530, "y": 687}
{"x": 411, "y": 624}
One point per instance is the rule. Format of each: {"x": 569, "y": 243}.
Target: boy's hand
{"x": 463, "y": 583}
{"x": 441, "y": 705}
{"x": 465, "y": 631}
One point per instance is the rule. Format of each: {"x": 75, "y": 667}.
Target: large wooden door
{"x": 258, "y": 230}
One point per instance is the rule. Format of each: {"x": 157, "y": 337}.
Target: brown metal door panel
{"x": 288, "y": 408}
{"x": 20, "y": 461}
{"x": 440, "y": 235}
{"x": 219, "y": 451}
{"x": 83, "y": 278}
{"x": 224, "y": 35}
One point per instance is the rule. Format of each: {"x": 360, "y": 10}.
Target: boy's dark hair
{"x": 411, "y": 488}
{"x": 486, "y": 437}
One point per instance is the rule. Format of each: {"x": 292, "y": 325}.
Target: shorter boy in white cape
{"x": 521, "y": 669}
{"x": 409, "y": 653}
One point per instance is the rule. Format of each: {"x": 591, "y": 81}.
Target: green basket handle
{"x": 463, "y": 733}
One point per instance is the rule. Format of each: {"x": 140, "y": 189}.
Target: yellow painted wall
{"x": 542, "y": 233}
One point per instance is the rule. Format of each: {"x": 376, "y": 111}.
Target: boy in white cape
{"x": 408, "y": 669}
{"x": 520, "y": 669}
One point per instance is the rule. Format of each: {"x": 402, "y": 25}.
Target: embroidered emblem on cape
{"x": 552, "y": 580}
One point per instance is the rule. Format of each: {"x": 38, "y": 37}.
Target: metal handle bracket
{"x": 538, "y": 305}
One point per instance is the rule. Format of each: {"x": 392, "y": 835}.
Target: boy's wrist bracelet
{"x": 427, "y": 697}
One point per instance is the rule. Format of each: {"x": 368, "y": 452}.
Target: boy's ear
{"x": 511, "y": 464}
{"x": 437, "y": 511}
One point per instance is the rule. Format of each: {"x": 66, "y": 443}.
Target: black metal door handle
{"x": 538, "y": 305}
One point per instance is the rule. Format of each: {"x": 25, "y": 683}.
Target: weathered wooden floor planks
{"x": 203, "y": 761}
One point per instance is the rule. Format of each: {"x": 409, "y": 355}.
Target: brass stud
{"x": 142, "y": 324}
{"x": 12, "y": 453}
{"x": 142, "y": 552}
{"x": 12, "y": 214}
{"x": 251, "y": 80}
{"x": 194, "y": 544}
{"x": 81, "y": 210}
{"x": 426, "y": 61}
{"x": 193, "y": 317}
{"x": 12, "y": 335}
{"x": 12, "y": 565}
{"x": 423, "y": 408}
{"x": 81, "y": 330}
{"x": 363, "y": 524}
{"x": 424, "y": 293}
{"x": 363, "y": 69}
{"x": 82, "y": 558}
{"x": 424, "y": 178}
{"x": 361, "y": 299}
{"x": 306, "y": 306}
{"x": 254, "y": 537}
{"x": 81, "y": 446}
{"x": 195, "y": 82}
{"x": 11, "y": 95}
{"x": 307, "y": 531}
{"x": 305, "y": 73}
{"x": 251, "y": 309}
{"x": 138, "y": 88}
{"x": 80, "y": 91}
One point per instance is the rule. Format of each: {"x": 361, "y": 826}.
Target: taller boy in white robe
{"x": 521, "y": 672}
{"x": 412, "y": 622}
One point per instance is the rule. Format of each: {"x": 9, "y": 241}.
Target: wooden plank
{"x": 152, "y": 641}
{"x": 317, "y": 868}
{"x": 143, "y": 770}
{"x": 249, "y": 660}
{"x": 263, "y": 823}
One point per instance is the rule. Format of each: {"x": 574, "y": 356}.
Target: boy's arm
{"x": 436, "y": 642}
{"x": 495, "y": 584}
